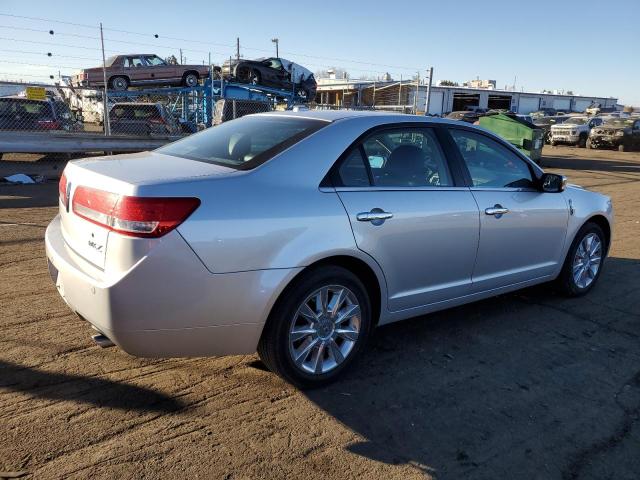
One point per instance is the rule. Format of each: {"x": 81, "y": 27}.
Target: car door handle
{"x": 496, "y": 210}
{"x": 375, "y": 215}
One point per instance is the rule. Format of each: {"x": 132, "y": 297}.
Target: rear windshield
{"x": 244, "y": 143}
{"x": 135, "y": 112}
{"x": 33, "y": 108}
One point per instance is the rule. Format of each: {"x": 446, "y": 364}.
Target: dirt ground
{"x": 526, "y": 385}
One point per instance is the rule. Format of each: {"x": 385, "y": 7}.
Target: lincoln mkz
{"x": 295, "y": 234}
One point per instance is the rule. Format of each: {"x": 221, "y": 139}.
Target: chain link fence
{"x": 61, "y": 121}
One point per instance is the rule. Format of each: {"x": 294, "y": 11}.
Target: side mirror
{"x": 552, "y": 183}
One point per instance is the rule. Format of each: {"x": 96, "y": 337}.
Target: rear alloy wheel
{"x": 318, "y": 327}
{"x": 190, "y": 80}
{"x": 584, "y": 261}
{"x": 119, "y": 83}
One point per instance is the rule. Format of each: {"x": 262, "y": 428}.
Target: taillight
{"x": 48, "y": 125}
{"x": 134, "y": 216}
{"x": 158, "y": 121}
{"x": 62, "y": 189}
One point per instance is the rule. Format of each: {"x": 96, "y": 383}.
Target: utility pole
{"x": 107, "y": 125}
{"x": 276, "y": 41}
{"x": 180, "y": 56}
{"x": 415, "y": 96}
{"x": 428, "y": 99}
{"x": 238, "y": 48}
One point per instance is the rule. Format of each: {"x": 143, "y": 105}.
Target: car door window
{"x": 408, "y": 157}
{"x": 154, "y": 61}
{"x": 490, "y": 164}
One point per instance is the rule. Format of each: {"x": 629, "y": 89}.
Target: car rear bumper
{"x": 167, "y": 304}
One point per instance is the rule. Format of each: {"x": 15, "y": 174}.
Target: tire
{"x": 582, "y": 141}
{"x": 278, "y": 348}
{"x": 254, "y": 77}
{"x": 190, "y": 79}
{"x": 567, "y": 281}
{"x": 119, "y": 84}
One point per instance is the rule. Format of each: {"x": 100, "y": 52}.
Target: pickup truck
{"x": 140, "y": 69}
{"x": 573, "y": 131}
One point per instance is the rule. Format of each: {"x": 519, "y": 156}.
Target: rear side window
{"x": 244, "y": 143}
{"x": 25, "y": 108}
{"x": 490, "y": 164}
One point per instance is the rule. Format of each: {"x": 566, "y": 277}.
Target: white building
{"x": 447, "y": 99}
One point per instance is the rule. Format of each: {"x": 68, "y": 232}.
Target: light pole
{"x": 276, "y": 41}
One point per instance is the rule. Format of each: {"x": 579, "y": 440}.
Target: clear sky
{"x": 591, "y": 47}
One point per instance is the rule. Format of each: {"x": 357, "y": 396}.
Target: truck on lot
{"x": 573, "y": 131}
{"x": 620, "y": 133}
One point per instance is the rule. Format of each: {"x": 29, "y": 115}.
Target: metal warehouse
{"x": 444, "y": 99}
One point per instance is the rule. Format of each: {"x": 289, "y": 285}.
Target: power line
{"x": 48, "y": 54}
{"x": 203, "y": 43}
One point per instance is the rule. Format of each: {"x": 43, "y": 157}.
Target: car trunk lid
{"x": 92, "y": 190}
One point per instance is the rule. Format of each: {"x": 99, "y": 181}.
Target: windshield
{"x": 244, "y": 143}
{"x": 575, "y": 121}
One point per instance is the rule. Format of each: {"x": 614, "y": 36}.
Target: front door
{"x": 522, "y": 230}
{"x": 407, "y": 213}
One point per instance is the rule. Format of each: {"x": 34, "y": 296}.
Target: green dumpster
{"x": 525, "y": 136}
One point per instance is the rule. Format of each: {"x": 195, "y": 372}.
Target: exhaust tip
{"x": 102, "y": 341}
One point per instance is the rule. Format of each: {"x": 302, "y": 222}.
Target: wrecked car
{"x": 620, "y": 133}
{"x": 272, "y": 72}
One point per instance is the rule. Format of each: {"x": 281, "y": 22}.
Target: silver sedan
{"x": 295, "y": 234}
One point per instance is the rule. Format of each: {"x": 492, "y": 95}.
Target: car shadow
{"x": 592, "y": 164}
{"x": 29, "y": 196}
{"x": 517, "y": 386}
{"x": 95, "y": 391}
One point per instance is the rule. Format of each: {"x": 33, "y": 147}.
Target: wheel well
{"x": 356, "y": 266}
{"x": 190, "y": 71}
{"x": 603, "y": 223}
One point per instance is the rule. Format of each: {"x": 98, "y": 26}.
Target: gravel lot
{"x": 527, "y": 385}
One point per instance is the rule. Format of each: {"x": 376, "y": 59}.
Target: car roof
{"x": 335, "y": 115}
{"x": 25, "y": 99}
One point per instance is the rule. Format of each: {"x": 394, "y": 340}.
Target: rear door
{"x": 136, "y": 69}
{"x": 408, "y": 212}
{"x": 522, "y": 229}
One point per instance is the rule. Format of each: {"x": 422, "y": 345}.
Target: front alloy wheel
{"x": 584, "y": 261}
